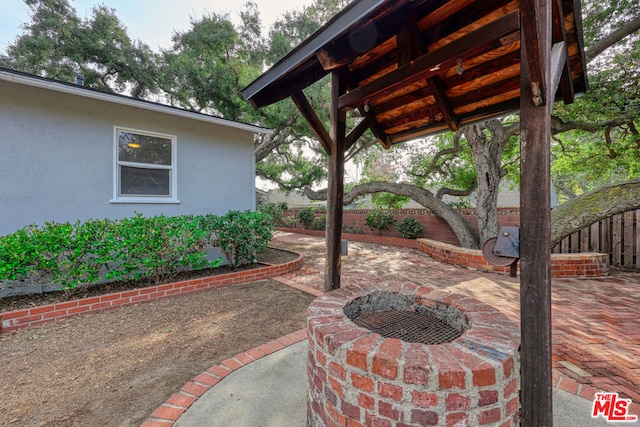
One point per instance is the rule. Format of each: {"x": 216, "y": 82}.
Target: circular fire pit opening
{"x": 402, "y": 355}
{"x": 397, "y": 316}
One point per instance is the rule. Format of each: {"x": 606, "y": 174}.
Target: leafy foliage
{"x": 306, "y": 217}
{"x": 319, "y": 223}
{"x": 133, "y": 248}
{"x": 275, "y": 210}
{"x": 380, "y": 219}
{"x": 241, "y": 235}
{"x": 354, "y": 228}
{"x": 409, "y": 228}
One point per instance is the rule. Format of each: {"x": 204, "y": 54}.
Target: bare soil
{"x": 115, "y": 368}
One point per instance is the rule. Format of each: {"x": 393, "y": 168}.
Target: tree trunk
{"x": 466, "y": 235}
{"x": 584, "y": 210}
{"x": 487, "y": 156}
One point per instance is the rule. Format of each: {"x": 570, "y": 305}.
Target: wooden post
{"x": 335, "y": 190}
{"x": 535, "y": 214}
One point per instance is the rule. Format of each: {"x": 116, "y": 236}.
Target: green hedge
{"x": 158, "y": 248}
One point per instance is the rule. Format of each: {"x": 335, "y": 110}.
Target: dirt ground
{"x": 115, "y": 368}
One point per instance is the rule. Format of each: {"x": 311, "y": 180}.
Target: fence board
{"x": 616, "y": 240}
{"x": 637, "y": 237}
{"x": 575, "y": 242}
{"x": 584, "y": 239}
{"x": 605, "y": 236}
{"x": 627, "y": 255}
{"x": 594, "y": 245}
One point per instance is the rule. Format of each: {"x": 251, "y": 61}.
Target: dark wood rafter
{"x": 530, "y": 15}
{"x": 559, "y": 35}
{"x": 357, "y": 132}
{"x": 480, "y": 41}
{"x": 307, "y": 111}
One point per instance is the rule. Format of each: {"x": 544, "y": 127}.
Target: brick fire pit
{"x": 420, "y": 357}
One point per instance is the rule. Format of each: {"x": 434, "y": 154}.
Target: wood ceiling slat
{"x": 427, "y": 103}
{"x": 511, "y": 49}
{"x": 478, "y": 42}
{"x": 488, "y": 102}
{"x": 485, "y": 80}
{"x": 475, "y": 25}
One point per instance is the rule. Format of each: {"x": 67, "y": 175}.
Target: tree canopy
{"x": 595, "y": 140}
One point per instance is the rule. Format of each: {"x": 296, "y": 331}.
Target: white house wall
{"x": 57, "y": 160}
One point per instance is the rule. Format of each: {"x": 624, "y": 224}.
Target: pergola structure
{"x": 416, "y": 67}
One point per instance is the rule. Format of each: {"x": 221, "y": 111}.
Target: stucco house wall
{"x": 57, "y": 157}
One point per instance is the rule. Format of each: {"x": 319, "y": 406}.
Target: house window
{"x": 145, "y": 167}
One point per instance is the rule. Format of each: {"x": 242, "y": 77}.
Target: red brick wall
{"x": 434, "y": 227}
{"x": 562, "y": 265}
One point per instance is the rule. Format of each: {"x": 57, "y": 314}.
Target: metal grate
{"x": 409, "y": 326}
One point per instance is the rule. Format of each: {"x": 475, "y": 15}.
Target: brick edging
{"x": 364, "y": 238}
{"x": 22, "y": 318}
{"x": 586, "y": 264}
{"x": 168, "y": 413}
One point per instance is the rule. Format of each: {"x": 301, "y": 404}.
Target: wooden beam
{"x": 307, "y": 111}
{"x": 530, "y": 15}
{"x": 535, "y": 220}
{"x": 438, "y": 91}
{"x": 335, "y": 191}
{"x": 557, "y": 65}
{"x": 560, "y": 35}
{"x": 357, "y": 132}
{"x": 430, "y": 64}
{"x": 378, "y": 131}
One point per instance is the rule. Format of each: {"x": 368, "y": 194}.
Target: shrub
{"x": 409, "y": 228}
{"x": 241, "y": 235}
{"x": 353, "y": 228}
{"x": 132, "y": 248}
{"x": 319, "y": 223}
{"x": 289, "y": 221}
{"x": 306, "y": 217}
{"x": 380, "y": 220}
{"x": 276, "y": 210}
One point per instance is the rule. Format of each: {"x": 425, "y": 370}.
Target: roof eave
{"x": 307, "y": 50}
{"x": 49, "y": 84}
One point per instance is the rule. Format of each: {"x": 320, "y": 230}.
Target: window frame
{"x": 117, "y": 163}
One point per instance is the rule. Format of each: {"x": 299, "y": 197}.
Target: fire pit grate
{"x": 409, "y": 326}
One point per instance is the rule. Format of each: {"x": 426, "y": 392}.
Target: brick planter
{"x": 356, "y": 377}
{"x": 22, "y": 318}
{"x": 586, "y": 264}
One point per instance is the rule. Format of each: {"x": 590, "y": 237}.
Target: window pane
{"x": 133, "y": 147}
{"x": 144, "y": 182}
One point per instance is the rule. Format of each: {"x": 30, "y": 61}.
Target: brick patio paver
{"x": 596, "y": 333}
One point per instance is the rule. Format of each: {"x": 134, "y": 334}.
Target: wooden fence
{"x": 618, "y": 236}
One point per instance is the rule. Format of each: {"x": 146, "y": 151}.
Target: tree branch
{"x": 582, "y": 211}
{"x": 445, "y": 191}
{"x": 613, "y": 38}
{"x": 466, "y": 235}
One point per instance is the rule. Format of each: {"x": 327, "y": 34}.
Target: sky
{"x": 150, "y": 21}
